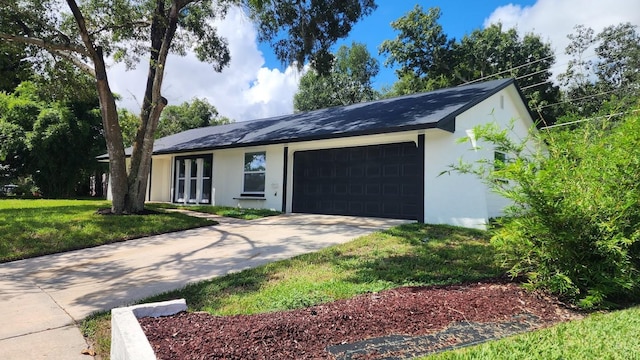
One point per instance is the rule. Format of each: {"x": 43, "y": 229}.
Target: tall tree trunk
{"x": 113, "y": 137}
{"x": 163, "y": 28}
{"x": 110, "y": 124}
{"x": 139, "y": 176}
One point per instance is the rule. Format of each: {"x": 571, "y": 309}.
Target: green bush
{"x": 573, "y": 228}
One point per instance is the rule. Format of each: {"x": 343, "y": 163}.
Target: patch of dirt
{"x": 414, "y": 314}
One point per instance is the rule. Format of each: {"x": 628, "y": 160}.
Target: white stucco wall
{"x": 463, "y": 199}
{"x": 522, "y": 124}
{"x": 449, "y": 199}
{"x": 228, "y": 177}
{"x": 160, "y": 185}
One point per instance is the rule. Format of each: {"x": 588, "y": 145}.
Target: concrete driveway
{"x": 43, "y": 299}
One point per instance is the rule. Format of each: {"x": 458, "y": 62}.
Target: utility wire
{"x": 531, "y": 74}
{"x": 589, "y": 119}
{"x": 508, "y": 70}
{"x": 578, "y": 99}
{"x": 534, "y": 85}
{"x": 596, "y": 39}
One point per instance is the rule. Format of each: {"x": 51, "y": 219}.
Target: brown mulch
{"x": 363, "y": 327}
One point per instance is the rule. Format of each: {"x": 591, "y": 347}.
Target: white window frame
{"x": 187, "y": 179}
{"x": 245, "y": 172}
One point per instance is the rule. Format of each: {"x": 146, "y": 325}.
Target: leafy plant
{"x": 572, "y": 228}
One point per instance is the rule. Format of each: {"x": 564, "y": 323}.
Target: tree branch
{"x": 113, "y": 27}
{"x": 82, "y": 26}
{"x": 77, "y": 62}
{"x": 44, "y": 44}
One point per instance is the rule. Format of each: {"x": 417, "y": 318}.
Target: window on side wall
{"x": 255, "y": 165}
{"x": 500, "y": 159}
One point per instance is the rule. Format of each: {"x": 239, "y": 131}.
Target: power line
{"x": 589, "y": 119}
{"x": 578, "y": 99}
{"x": 508, "y": 70}
{"x": 595, "y": 41}
{"x": 533, "y": 73}
{"x": 555, "y": 65}
{"x": 534, "y": 85}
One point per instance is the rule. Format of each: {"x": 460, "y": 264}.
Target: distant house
{"x": 377, "y": 159}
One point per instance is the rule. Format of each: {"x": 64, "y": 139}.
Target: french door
{"x": 193, "y": 180}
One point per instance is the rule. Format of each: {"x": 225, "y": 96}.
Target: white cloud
{"x": 242, "y": 91}
{"x": 553, "y": 20}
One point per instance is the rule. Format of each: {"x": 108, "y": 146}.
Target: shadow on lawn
{"x": 411, "y": 254}
{"x": 31, "y": 232}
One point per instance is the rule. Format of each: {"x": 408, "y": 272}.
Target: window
{"x": 499, "y": 160}
{"x": 255, "y": 165}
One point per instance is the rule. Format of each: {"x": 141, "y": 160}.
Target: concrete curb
{"x": 128, "y": 341}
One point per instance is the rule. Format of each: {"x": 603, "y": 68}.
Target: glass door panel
{"x": 193, "y": 180}
{"x": 180, "y": 180}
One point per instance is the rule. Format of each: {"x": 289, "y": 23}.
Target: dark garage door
{"x": 377, "y": 181}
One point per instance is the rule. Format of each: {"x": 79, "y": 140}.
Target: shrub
{"x": 573, "y": 226}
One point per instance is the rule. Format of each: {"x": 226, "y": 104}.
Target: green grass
{"x": 228, "y": 211}
{"x": 30, "y": 228}
{"x": 413, "y": 254}
{"x": 600, "y": 336}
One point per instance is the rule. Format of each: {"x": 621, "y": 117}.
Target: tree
{"x": 348, "y": 82}
{"x": 198, "y": 113}
{"x": 55, "y": 143}
{"x": 611, "y": 77}
{"x": 421, "y": 48}
{"x": 94, "y": 30}
{"x": 13, "y": 68}
{"x": 129, "y": 123}
{"x": 429, "y": 60}
{"x": 497, "y": 53}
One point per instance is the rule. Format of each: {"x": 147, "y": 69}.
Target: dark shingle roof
{"x": 435, "y": 109}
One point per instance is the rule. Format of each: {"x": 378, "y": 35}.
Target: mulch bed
{"x": 393, "y": 324}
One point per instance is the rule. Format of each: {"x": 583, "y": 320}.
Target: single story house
{"x": 377, "y": 159}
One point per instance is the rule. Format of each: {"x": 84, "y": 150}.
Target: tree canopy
{"x": 189, "y": 115}
{"x": 604, "y": 69}
{"x": 93, "y": 30}
{"x": 421, "y": 48}
{"x": 55, "y": 143}
{"x": 13, "y": 68}
{"x": 348, "y": 82}
{"x": 428, "y": 59}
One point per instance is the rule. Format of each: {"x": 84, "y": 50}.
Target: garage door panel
{"x": 391, "y": 190}
{"x": 380, "y": 181}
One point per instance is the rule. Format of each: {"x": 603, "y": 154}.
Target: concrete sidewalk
{"x": 42, "y": 299}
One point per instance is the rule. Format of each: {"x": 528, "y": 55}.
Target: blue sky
{"x": 256, "y": 85}
{"x": 459, "y": 17}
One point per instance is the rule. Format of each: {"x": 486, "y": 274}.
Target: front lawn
{"x": 413, "y": 254}
{"x": 600, "y": 336}
{"x": 30, "y": 228}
